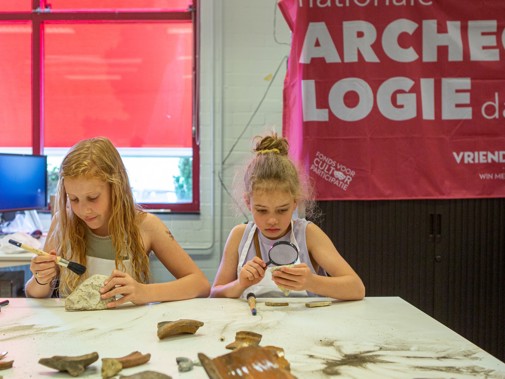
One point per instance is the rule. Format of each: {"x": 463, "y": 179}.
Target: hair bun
{"x": 272, "y": 144}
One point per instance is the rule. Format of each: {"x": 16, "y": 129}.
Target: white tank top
{"x": 267, "y": 287}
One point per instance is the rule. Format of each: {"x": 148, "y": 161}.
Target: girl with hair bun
{"x": 274, "y": 191}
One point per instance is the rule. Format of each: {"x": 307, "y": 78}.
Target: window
{"x": 124, "y": 69}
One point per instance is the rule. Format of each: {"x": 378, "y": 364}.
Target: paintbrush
{"x": 251, "y": 300}
{"x": 72, "y": 266}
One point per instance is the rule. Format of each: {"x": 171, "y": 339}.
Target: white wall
{"x": 243, "y": 52}
{"x": 241, "y": 64}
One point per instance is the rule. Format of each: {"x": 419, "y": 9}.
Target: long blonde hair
{"x": 98, "y": 158}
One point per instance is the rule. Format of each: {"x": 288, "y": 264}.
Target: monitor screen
{"x": 23, "y": 182}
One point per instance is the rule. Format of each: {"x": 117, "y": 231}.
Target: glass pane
{"x": 155, "y": 176}
{"x": 120, "y": 4}
{"x": 150, "y": 187}
{"x": 15, "y": 6}
{"x": 15, "y": 86}
{"x": 105, "y": 80}
{"x": 129, "y": 82}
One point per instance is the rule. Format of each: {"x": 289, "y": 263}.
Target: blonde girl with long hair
{"x": 98, "y": 224}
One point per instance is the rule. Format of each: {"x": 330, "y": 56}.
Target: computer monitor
{"x": 23, "y": 182}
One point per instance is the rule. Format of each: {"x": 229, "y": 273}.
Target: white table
{"x": 379, "y": 337}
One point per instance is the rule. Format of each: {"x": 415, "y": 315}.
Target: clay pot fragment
{"x": 75, "y": 366}
{"x": 146, "y": 375}
{"x": 248, "y": 362}
{"x": 112, "y": 366}
{"x": 6, "y": 364}
{"x": 172, "y": 328}
{"x": 244, "y": 338}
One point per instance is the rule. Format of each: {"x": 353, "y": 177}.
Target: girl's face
{"x": 272, "y": 212}
{"x": 90, "y": 201}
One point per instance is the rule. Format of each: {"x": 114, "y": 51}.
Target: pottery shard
{"x": 5, "y": 365}
{"x": 112, "y": 366}
{"x": 182, "y": 326}
{"x": 86, "y": 297}
{"x": 259, "y": 362}
{"x": 244, "y": 338}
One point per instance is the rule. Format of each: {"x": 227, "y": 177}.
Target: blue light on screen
{"x": 23, "y": 182}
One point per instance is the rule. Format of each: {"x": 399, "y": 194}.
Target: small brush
{"x": 72, "y": 266}
{"x": 251, "y": 300}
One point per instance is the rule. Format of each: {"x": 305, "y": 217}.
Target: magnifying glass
{"x": 282, "y": 253}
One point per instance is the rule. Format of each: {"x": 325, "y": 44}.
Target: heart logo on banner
{"x": 339, "y": 175}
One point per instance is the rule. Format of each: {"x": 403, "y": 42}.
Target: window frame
{"x": 41, "y": 13}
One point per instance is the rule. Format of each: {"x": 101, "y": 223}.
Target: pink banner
{"x": 397, "y": 99}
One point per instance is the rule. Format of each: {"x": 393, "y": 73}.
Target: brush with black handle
{"x": 72, "y": 266}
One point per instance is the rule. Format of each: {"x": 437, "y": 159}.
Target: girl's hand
{"x": 123, "y": 285}
{"x": 294, "y": 278}
{"x": 252, "y": 272}
{"x": 44, "y": 268}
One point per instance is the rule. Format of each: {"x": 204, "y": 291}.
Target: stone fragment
{"x": 74, "y": 365}
{"x": 184, "y": 364}
{"x": 110, "y": 367}
{"x": 86, "y": 297}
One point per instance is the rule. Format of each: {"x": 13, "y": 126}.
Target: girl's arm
{"x": 226, "y": 283}
{"x": 190, "y": 281}
{"x": 343, "y": 282}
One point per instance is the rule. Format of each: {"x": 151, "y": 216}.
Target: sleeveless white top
{"x": 247, "y": 251}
